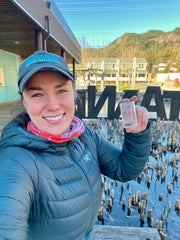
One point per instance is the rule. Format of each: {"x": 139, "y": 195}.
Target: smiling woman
{"x": 51, "y": 164}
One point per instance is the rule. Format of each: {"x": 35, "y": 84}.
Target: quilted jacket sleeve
{"x": 17, "y": 189}
{"x": 128, "y": 163}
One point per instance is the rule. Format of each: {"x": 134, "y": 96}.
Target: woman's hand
{"x": 142, "y": 117}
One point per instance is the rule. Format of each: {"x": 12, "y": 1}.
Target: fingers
{"x": 142, "y": 120}
{"x": 142, "y": 117}
{"x": 142, "y": 114}
{"x": 134, "y": 98}
{"x": 139, "y": 112}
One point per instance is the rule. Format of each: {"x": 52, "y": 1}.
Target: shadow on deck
{"x": 102, "y": 232}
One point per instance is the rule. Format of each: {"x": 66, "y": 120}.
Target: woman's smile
{"x": 55, "y": 118}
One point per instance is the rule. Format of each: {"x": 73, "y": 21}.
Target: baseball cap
{"x": 41, "y": 60}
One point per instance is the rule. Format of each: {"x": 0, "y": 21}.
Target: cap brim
{"x": 25, "y": 79}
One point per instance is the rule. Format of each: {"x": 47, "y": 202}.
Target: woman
{"x": 51, "y": 165}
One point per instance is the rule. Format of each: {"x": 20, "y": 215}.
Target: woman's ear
{"x": 22, "y": 100}
{"x": 21, "y": 96}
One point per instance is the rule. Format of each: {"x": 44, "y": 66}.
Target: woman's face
{"x": 48, "y": 98}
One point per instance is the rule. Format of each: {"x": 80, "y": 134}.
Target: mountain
{"x": 156, "y": 46}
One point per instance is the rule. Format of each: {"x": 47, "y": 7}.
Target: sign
{"x": 152, "y": 93}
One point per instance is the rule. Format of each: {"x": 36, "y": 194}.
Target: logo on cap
{"x": 42, "y": 58}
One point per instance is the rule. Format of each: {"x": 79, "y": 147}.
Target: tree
{"x": 178, "y": 57}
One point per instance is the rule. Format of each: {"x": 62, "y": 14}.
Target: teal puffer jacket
{"x": 51, "y": 191}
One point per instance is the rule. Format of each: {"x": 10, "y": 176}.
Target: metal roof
{"x": 106, "y": 60}
{"x": 141, "y": 60}
{"x": 141, "y": 71}
{"x": 20, "y": 19}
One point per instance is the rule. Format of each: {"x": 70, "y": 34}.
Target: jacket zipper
{"x": 89, "y": 189}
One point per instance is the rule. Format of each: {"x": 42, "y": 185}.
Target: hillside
{"x": 156, "y": 46}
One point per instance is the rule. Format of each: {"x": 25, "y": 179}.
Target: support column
{"x": 63, "y": 54}
{"x": 38, "y": 41}
{"x": 74, "y": 69}
{"x": 44, "y": 45}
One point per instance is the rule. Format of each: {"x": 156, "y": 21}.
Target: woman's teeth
{"x": 54, "y": 118}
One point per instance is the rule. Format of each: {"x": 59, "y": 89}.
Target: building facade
{"x": 112, "y": 70}
{"x": 9, "y": 64}
{"x": 28, "y": 26}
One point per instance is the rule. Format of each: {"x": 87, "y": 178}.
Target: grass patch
{"x": 177, "y": 85}
{"x": 122, "y": 87}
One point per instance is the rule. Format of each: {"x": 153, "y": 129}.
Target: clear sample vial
{"x": 128, "y": 114}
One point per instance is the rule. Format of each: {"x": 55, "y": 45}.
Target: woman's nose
{"x": 52, "y": 103}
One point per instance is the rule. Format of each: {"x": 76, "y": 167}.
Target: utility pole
{"x": 134, "y": 72}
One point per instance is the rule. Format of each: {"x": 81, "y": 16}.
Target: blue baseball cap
{"x": 39, "y": 61}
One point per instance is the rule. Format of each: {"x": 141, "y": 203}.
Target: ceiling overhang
{"x": 21, "y": 19}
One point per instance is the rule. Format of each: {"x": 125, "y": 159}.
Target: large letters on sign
{"x": 152, "y": 93}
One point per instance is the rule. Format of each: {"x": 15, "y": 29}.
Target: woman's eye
{"x": 61, "y": 91}
{"x": 37, "y": 95}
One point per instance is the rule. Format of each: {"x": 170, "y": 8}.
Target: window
{"x": 141, "y": 66}
{"x": 140, "y": 75}
{"x": 1, "y": 77}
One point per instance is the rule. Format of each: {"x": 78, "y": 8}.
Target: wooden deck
{"x": 8, "y": 112}
{"x": 102, "y": 232}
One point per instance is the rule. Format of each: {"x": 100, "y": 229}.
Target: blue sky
{"x": 101, "y": 22}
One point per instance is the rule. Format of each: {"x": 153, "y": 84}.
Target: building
{"x": 27, "y": 26}
{"x": 162, "y": 67}
{"x": 139, "y": 68}
{"x": 101, "y": 67}
{"x": 168, "y": 77}
{"x": 111, "y": 70}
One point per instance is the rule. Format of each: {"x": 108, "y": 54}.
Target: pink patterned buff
{"x": 76, "y": 129}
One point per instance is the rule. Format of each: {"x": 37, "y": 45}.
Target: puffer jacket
{"x": 51, "y": 191}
